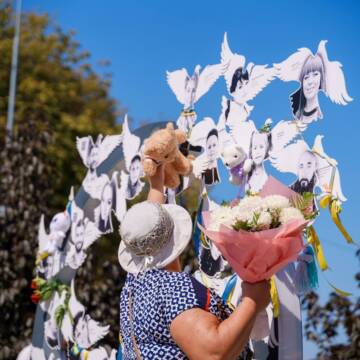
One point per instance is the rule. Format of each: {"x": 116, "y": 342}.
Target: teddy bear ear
{"x": 170, "y": 126}
{"x": 240, "y": 149}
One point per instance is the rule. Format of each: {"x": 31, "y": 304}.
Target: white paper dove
{"x": 212, "y": 138}
{"x": 52, "y": 244}
{"x": 312, "y": 166}
{"x": 314, "y": 73}
{"x": 82, "y": 330}
{"x": 243, "y": 83}
{"x": 93, "y": 155}
{"x": 83, "y": 234}
{"x": 134, "y": 171}
{"x": 189, "y": 89}
{"x": 259, "y": 145}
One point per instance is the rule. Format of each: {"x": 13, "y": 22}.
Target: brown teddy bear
{"x": 163, "y": 147}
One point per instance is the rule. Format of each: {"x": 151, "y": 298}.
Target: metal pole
{"x": 14, "y": 62}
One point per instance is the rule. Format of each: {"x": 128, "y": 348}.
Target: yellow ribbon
{"x": 86, "y": 355}
{"x": 41, "y": 257}
{"x": 339, "y": 291}
{"x": 314, "y": 241}
{"x": 335, "y": 209}
{"x": 274, "y": 297}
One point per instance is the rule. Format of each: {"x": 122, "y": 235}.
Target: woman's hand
{"x": 156, "y": 193}
{"x": 157, "y": 180}
{"x": 259, "y": 293}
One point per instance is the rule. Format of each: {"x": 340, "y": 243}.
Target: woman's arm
{"x": 201, "y": 336}
{"x": 156, "y": 192}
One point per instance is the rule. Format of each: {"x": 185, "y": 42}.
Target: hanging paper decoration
{"x": 212, "y": 139}
{"x": 189, "y": 89}
{"x": 242, "y": 83}
{"x": 83, "y": 234}
{"x": 93, "y": 155}
{"x": 260, "y": 145}
{"x": 315, "y": 73}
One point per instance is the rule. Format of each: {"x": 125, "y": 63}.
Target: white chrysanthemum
{"x": 251, "y": 204}
{"x": 272, "y": 202}
{"x": 243, "y": 215}
{"x": 221, "y": 215}
{"x": 290, "y": 213}
{"x": 264, "y": 220}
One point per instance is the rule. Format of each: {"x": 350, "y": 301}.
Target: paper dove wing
{"x": 290, "y": 69}
{"x": 107, "y": 146}
{"x": 76, "y": 214}
{"x": 242, "y": 132}
{"x": 176, "y": 80}
{"x": 207, "y": 78}
{"x": 200, "y": 131}
{"x": 75, "y": 308}
{"x": 43, "y": 236}
{"x": 328, "y": 175}
{"x": 91, "y": 234}
{"x": 233, "y": 62}
{"x": 286, "y": 160}
{"x": 225, "y": 139}
{"x": 259, "y": 77}
{"x": 120, "y": 194}
{"x": 335, "y": 87}
{"x": 282, "y": 134}
{"x": 84, "y": 145}
{"x": 200, "y": 164}
{"x": 131, "y": 143}
{"x": 96, "y": 331}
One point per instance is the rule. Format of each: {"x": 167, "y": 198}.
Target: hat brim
{"x": 174, "y": 247}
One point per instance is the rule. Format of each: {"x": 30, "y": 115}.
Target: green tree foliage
{"x": 59, "y": 97}
{"x": 56, "y": 88}
{"x": 327, "y": 325}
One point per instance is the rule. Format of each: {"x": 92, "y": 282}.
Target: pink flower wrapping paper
{"x": 256, "y": 256}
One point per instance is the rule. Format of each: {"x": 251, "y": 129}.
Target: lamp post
{"x": 13, "y": 74}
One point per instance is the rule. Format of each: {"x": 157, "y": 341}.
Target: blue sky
{"x": 143, "y": 39}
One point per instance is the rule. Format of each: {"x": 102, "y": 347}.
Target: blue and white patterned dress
{"x": 158, "y": 297}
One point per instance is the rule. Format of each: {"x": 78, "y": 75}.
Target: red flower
{"x": 33, "y": 284}
{"x": 35, "y": 298}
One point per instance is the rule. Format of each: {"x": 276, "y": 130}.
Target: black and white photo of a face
{"x": 307, "y": 167}
{"x": 311, "y": 84}
{"x": 93, "y": 157}
{"x": 190, "y": 90}
{"x": 79, "y": 235}
{"x": 106, "y": 202}
{"x": 305, "y": 102}
{"x": 259, "y": 147}
{"x": 134, "y": 185}
{"x": 212, "y": 145}
{"x": 238, "y": 85}
{"x": 135, "y": 170}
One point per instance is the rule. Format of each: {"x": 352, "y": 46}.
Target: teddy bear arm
{"x": 171, "y": 176}
{"x": 182, "y": 165}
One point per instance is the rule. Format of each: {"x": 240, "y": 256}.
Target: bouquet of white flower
{"x": 256, "y": 213}
{"x": 261, "y": 233}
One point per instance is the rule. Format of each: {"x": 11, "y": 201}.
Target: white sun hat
{"x": 153, "y": 235}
